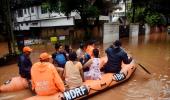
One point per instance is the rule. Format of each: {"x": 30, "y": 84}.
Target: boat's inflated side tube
{"x": 75, "y": 93}
{"x": 15, "y": 84}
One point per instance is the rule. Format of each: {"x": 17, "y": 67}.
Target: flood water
{"x": 152, "y": 51}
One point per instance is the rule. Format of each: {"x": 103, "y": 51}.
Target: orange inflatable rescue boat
{"x": 91, "y": 87}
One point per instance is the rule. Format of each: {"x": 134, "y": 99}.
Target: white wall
{"x": 37, "y": 14}
{"x": 57, "y": 22}
{"x": 111, "y": 32}
{"x": 47, "y": 23}
{"x": 134, "y": 30}
{"x": 37, "y": 19}
{"x": 24, "y": 26}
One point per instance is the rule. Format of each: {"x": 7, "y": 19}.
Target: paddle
{"x": 143, "y": 68}
{"x": 140, "y": 64}
{"x": 129, "y": 54}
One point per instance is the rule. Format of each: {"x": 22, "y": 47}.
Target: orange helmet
{"x": 27, "y": 49}
{"x": 44, "y": 56}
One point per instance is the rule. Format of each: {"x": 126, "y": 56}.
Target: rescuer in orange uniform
{"x": 45, "y": 78}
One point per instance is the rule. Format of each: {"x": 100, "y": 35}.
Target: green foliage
{"x": 92, "y": 11}
{"x": 154, "y": 18}
{"x": 144, "y": 15}
{"x": 139, "y": 15}
{"x": 83, "y": 7}
{"x": 88, "y": 10}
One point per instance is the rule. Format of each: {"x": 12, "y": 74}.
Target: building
{"x": 38, "y": 22}
{"x": 119, "y": 14}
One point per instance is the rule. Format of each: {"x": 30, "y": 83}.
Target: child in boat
{"x": 73, "y": 73}
{"x": 82, "y": 56}
{"x": 94, "y": 64}
{"x": 90, "y": 47}
{"x": 45, "y": 78}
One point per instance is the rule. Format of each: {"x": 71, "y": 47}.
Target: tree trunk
{"x": 8, "y": 25}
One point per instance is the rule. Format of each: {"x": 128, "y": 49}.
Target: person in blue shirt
{"x": 24, "y": 63}
{"x": 59, "y": 58}
{"x": 115, "y": 55}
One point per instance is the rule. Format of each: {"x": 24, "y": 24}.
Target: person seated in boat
{"x": 45, "y": 78}
{"x": 24, "y": 63}
{"x": 73, "y": 72}
{"x": 115, "y": 55}
{"x": 67, "y": 50}
{"x": 59, "y": 58}
{"x": 94, "y": 64}
{"x": 82, "y": 56}
{"x": 90, "y": 47}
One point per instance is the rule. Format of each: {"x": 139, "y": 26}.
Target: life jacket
{"x": 49, "y": 83}
{"x": 89, "y": 50}
{"x": 60, "y": 59}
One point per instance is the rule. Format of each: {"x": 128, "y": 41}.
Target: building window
{"x": 20, "y": 13}
{"x": 44, "y": 8}
{"x": 21, "y": 24}
{"x": 32, "y": 9}
{"x": 26, "y": 23}
{"x": 34, "y": 23}
{"x": 25, "y": 11}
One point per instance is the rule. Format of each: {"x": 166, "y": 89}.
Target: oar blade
{"x": 144, "y": 68}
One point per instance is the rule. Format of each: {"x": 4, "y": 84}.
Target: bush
{"x": 145, "y": 15}
{"x": 153, "y": 19}
{"x": 138, "y": 16}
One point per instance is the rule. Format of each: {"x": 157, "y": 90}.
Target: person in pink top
{"x": 45, "y": 78}
{"x": 94, "y": 67}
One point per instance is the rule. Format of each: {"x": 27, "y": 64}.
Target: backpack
{"x": 60, "y": 59}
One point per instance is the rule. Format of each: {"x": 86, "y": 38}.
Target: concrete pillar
{"x": 134, "y": 30}
{"x": 133, "y": 34}
{"x": 133, "y": 41}
{"x": 147, "y": 32}
{"x": 111, "y": 32}
{"x": 147, "y": 29}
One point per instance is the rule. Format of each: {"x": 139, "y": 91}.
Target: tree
{"x": 6, "y": 16}
{"x": 89, "y": 10}
{"x": 156, "y": 6}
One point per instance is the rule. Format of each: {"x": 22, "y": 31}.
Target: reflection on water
{"x": 157, "y": 88}
{"x": 152, "y": 51}
{"x": 146, "y": 38}
{"x": 133, "y": 41}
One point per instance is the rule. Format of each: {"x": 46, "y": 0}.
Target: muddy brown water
{"x": 152, "y": 51}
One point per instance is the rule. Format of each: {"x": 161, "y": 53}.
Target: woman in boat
{"x": 67, "y": 50}
{"x": 73, "y": 73}
{"x": 94, "y": 64}
{"x": 115, "y": 55}
{"x": 45, "y": 78}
